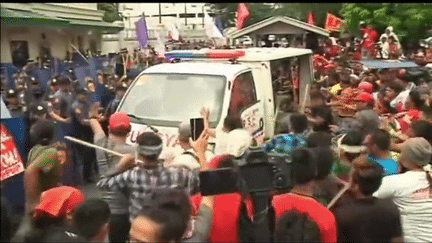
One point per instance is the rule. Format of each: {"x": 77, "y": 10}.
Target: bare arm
{"x": 94, "y": 123}
{"x": 31, "y": 185}
{"x": 205, "y": 113}
{"x": 59, "y": 118}
{"x": 96, "y": 127}
{"x": 200, "y": 147}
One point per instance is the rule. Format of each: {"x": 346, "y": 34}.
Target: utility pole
{"x": 203, "y": 16}
{"x": 185, "y": 14}
{"x": 160, "y": 14}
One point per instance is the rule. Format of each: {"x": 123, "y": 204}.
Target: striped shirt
{"x": 138, "y": 183}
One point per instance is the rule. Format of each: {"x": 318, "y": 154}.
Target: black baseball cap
{"x": 33, "y": 80}
{"x": 83, "y": 91}
{"x": 11, "y": 93}
{"x": 40, "y": 109}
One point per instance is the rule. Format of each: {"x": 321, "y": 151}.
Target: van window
{"x": 243, "y": 94}
{"x": 168, "y": 97}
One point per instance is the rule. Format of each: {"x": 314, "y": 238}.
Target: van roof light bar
{"x": 213, "y": 54}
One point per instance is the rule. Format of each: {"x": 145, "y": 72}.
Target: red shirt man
{"x": 300, "y": 198}
{"x": 316, "y": 211}
{"x": 370, "y": 37}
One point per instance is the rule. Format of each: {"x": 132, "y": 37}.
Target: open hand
{"x": 200, "y": 145}
{"x": 205, "y": 113}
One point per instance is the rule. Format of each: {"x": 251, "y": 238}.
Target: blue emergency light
{"x": 184, "y": 54}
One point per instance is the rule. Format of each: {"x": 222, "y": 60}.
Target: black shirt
{"x": 368, "y": 220}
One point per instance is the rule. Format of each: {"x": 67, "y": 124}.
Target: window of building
{"x": 243, "y": 94}
{"x": 80, "y": 44}
{"x": 93, "y": 46}
{"x": 19, "y": 52}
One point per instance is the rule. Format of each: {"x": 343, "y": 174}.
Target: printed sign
{"x": 253, "y": 119}
{"x": 11, "y": 162}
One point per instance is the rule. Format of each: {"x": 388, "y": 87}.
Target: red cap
{"x": 366, "y": 87}
{"x": 119, "y": 119}
{"x": 401, "y": 73}
{"x": 59, "y": 201}
{"x": 365, "y": 97}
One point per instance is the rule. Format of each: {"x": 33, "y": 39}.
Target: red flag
{"x": 334, "y": 23}
{"x": 242, "y": 13}
{"x": 311, "y": 18}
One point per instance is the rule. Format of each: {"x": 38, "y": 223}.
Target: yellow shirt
{"x": 335, "y": 89}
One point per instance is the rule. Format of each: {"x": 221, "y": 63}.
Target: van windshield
{"x": 174, "y": 97}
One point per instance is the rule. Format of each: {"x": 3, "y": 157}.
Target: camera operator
{"x": 300, "y": 197}
{"x": 238, "y": 206}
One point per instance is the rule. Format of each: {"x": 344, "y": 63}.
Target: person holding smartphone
{"x": 188, "y": 157}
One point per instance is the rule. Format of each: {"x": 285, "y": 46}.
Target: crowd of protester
{"x": 365, "y": 132}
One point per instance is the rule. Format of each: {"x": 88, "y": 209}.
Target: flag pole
{"x": 76, "y": 49}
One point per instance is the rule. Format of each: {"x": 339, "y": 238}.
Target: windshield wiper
{"x": 143, "y": 122}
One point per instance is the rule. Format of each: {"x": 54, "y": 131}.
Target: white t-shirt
{"x": 410, "y": 192}
{"x": 221, "y": 142}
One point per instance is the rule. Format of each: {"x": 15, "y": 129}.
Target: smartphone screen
{"x": 218, "y": 181}
{"x": 197, "y": 127}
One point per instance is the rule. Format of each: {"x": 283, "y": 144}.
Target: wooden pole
{"x": 303, "y": 106}
{"x": 75, "y": 140}
{"x": 337, "y": 197}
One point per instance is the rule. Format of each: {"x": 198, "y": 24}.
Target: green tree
{"x": 410, "y": 21}
{"x": 111, "y": 11}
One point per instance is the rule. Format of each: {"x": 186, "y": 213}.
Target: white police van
{"x": 237, "y": 82}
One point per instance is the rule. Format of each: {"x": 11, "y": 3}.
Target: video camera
{"x": 255, "y": 172}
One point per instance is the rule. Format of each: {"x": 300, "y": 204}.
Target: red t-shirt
{"x": 226, "y": 211}
{"x": 370, "y": 40}
{"x": 413, "y": 116}
{"x": 323, "y": 217}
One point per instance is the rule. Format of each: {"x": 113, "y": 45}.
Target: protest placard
{"x": 11, "y": 161}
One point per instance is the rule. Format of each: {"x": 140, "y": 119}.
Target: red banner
{"x": 311, "y": 18}
{"x": 11, "y": 162}
{"x": 242, "y": 13}
{"x": 334, "y": 23}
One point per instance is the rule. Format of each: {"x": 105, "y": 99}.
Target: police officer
{"x": 85, "y": 156}
{"x": 119, "y": 93}
{"x": 16, "y": 109}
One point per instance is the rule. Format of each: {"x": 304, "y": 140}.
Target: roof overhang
{"x": 23, "y": 17}
{"x": 272, "y": 20}
{"x": 382, "y": 64}
{"x": 16, "y": 17}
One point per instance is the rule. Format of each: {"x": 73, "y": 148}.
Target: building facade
{"x": 29, "y": 29}
{"x": 187, "y": 17}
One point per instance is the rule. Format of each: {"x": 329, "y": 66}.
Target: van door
{"x": 245, "y": 104}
